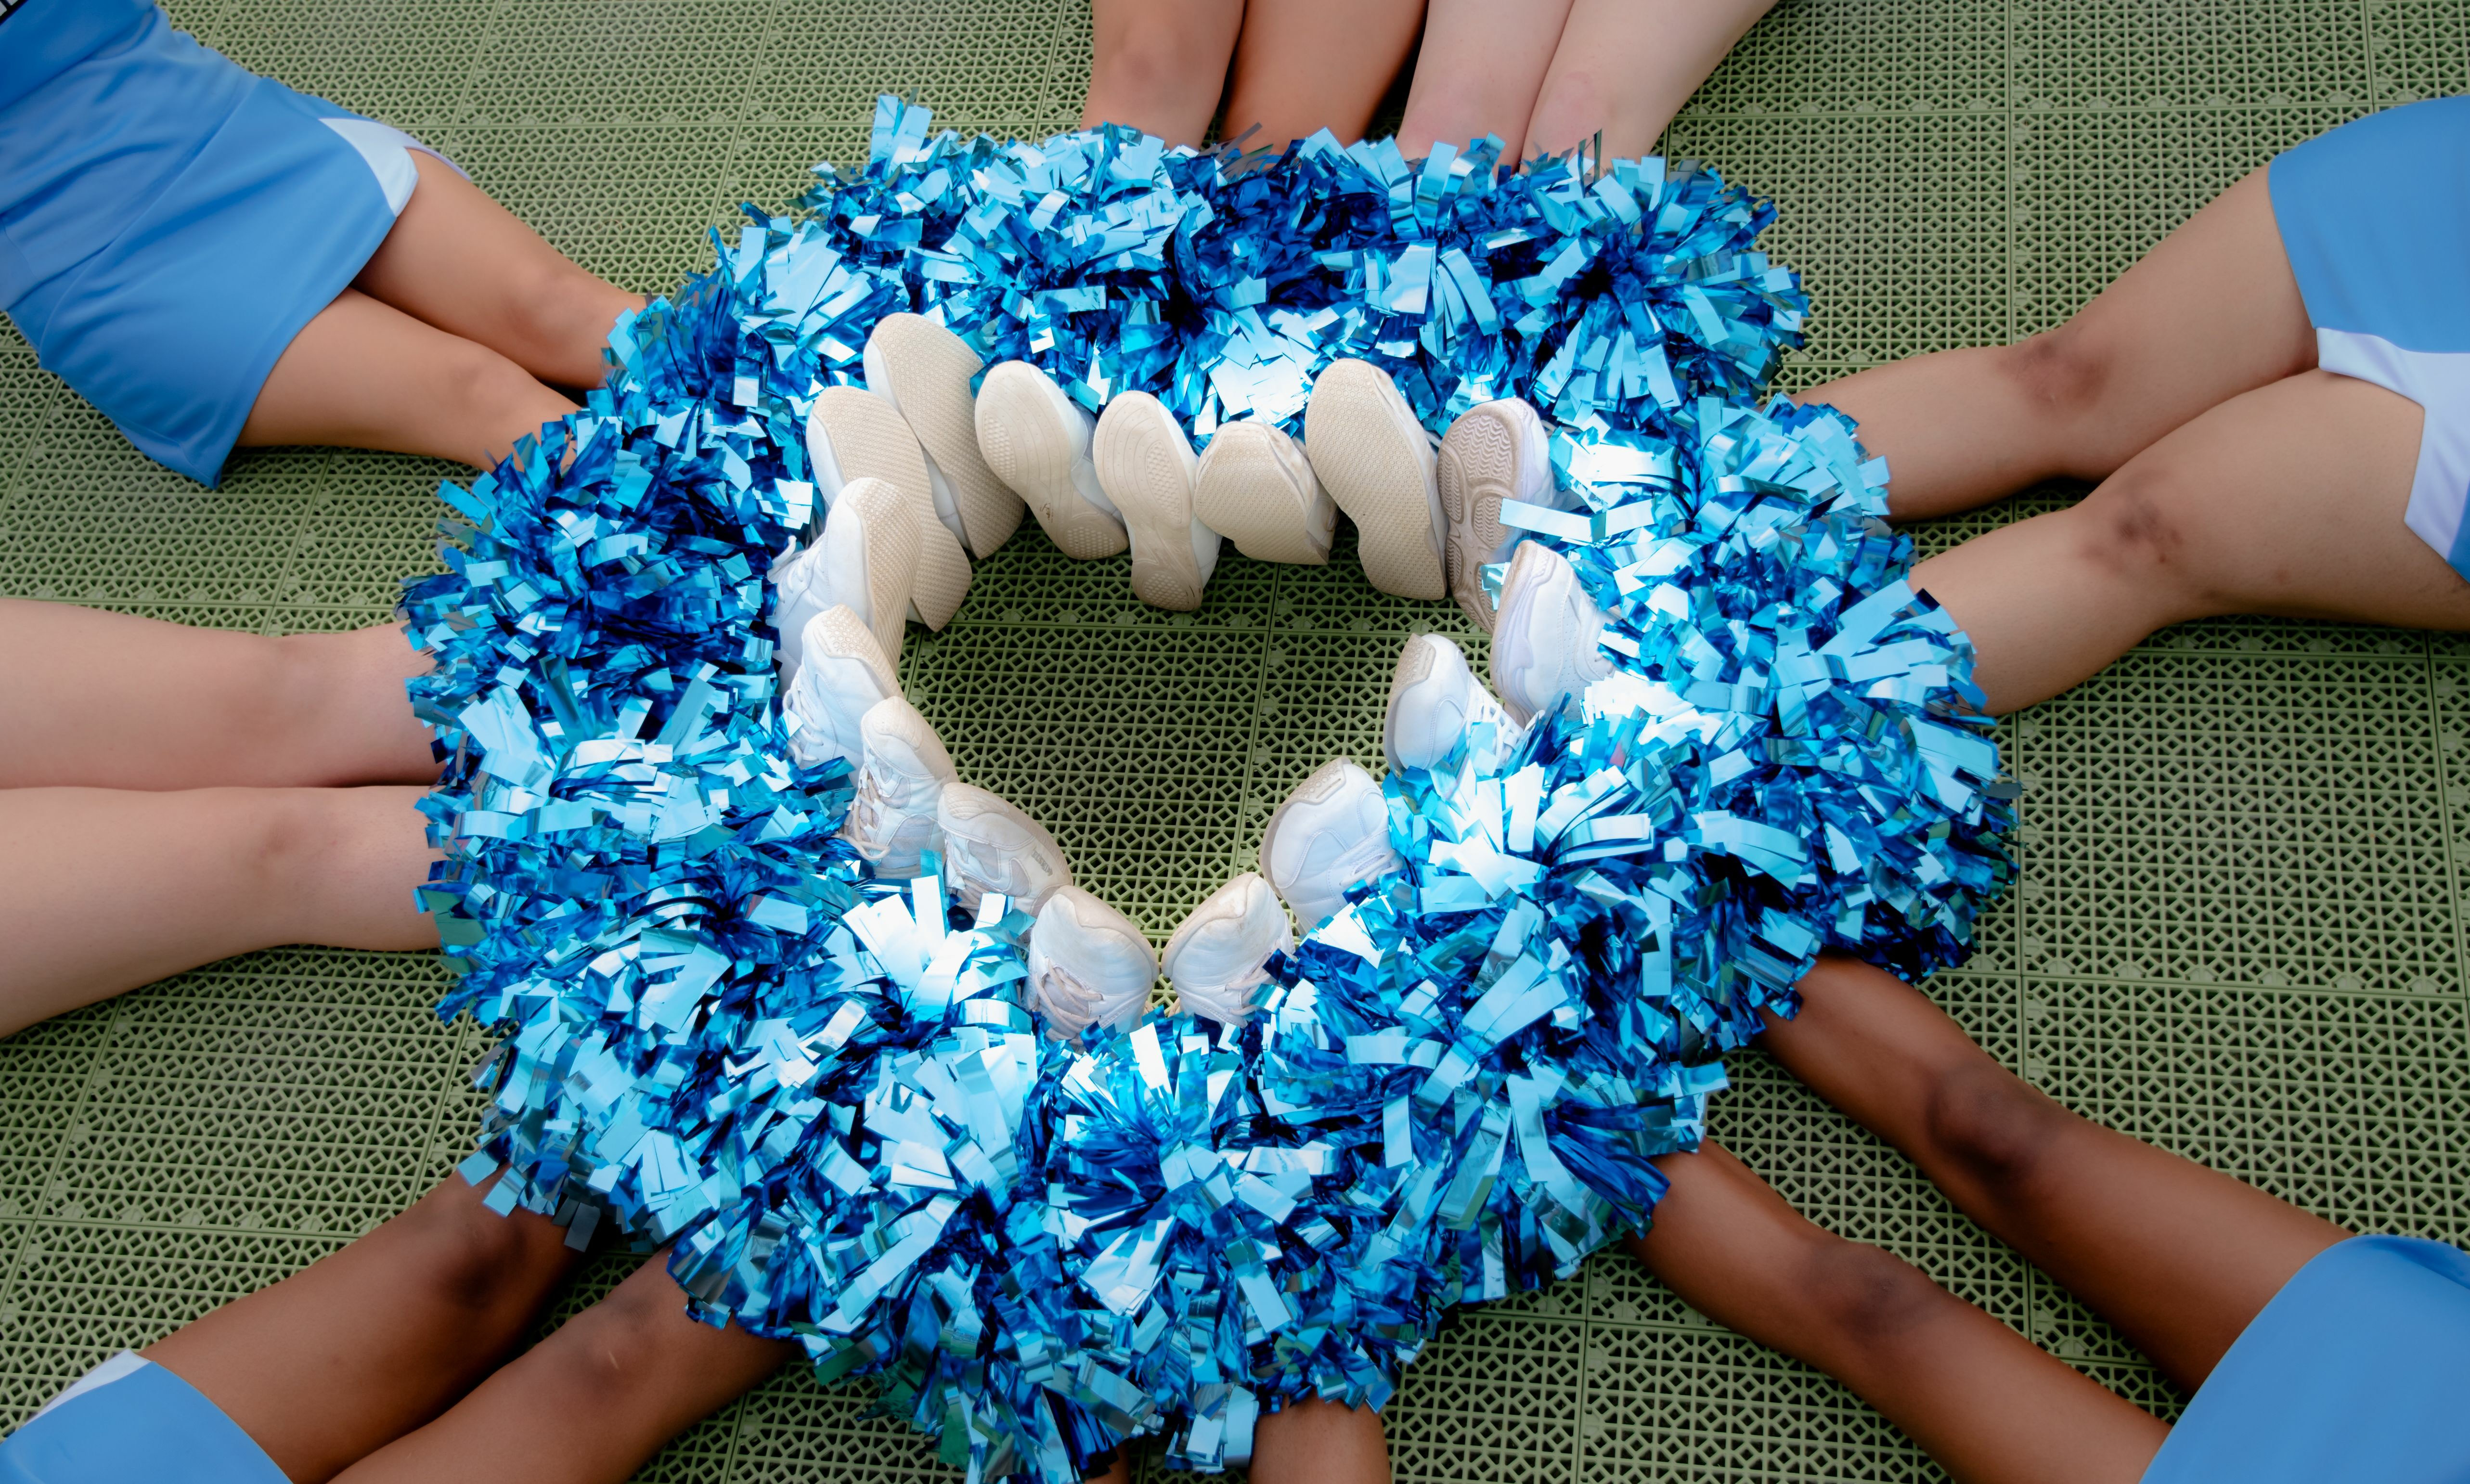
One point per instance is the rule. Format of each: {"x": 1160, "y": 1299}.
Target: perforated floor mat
{"x": 2238, "y": 933}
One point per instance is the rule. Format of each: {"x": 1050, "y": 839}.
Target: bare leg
{"x": 1302, "y": 66}
{"x": 590, "y": 1404}
{"x": 1627, "y": 67}
{"x": 1978, "y": 1397}
{"x": 1478, "y": 72}
{"x": 2180, "y": 1257}
{"x": 1321, "y": 1443}
{"x": 467, "y": 266}
{"x": 1160, "y": 65}
{"x": 2286, "y": 500}
{"x": 107, "y": 699}
{"x": 367, "y": 1344}
{"x": 2211, "y": 311}
{"x": 365, "y": 375}
{"x": 104, "y": 889}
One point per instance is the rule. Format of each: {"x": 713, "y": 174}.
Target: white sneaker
{"x": 1544, "y": 648}
{"x": 990, "y": 845}
{"x": 1036, "y": 440}
{"x": 902, "y": 774}
{"x": 1256, "y": 489}
{"x": 865, "y": 560}
{"x": 1088, "y": 964}
{"x": 1434, "y": 700}
{"x": 923, "y": 370}
{"x": 1377, "y": 461}
{"x": 1219, "y": 955}
{"x": 844, "y": 676}
{"x": 855, "y": 434}
{"x": 1332, "y": 833}
{"x": 1148, "y": 467}
{"x": 1495, "y": 452}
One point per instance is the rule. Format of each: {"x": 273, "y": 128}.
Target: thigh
{"x": 372, "y": 1342}
{"x": 1624, "y": 68}
{"x": 459, "y": 261}
{"x": 1477, "y": 72}
{"x": 104, "y": 700}
{"x": 105, "y": 889}
{"x": 1302, "y": 66}
{"x": 365, "y": 375}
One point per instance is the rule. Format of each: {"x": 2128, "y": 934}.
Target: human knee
{"x": 1991, "y": 1129}
{"x": 2133, "y": 527}
{"x": 1864, "y": 1300}
{"x": 464, "y": 1256}
{"x": 613, "y": 1346}
{"x": 1155, "y": 59}
{"x": 2060, "y": 375}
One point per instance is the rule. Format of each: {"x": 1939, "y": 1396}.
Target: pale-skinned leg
{"x": 1478, "y": 71}
{"x": 1160, "y": 65}
{"x": 1302, "y": 66}
{"x": 1625, "y": 67}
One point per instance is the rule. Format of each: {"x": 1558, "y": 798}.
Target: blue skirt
{"x": 169, "y": 220}
{"x": 2358, "y": 1370}
{"x": 130, "y": 1420}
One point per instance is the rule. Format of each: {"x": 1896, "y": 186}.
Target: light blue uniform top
{"x": 170, "y": 221}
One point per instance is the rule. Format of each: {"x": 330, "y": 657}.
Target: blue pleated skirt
{"x": 169, "y": 220}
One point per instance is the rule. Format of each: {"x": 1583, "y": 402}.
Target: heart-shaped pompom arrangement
{"x": 722, "y": 1030}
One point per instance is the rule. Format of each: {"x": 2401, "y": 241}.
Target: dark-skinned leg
{"x": 2179, "y": 1257}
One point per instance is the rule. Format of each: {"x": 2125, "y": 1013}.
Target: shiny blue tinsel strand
{"x": 719, "y": 1030}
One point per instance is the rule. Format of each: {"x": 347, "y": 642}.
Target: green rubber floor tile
{"x": 44, "y": 1071}
{"x": 1497, "y": 1399}
{"x": 425, "y": 53}
{"x": 372, "y": 525}
{"x": 631, "y": 202}
{"x": 79, "y": 1292}
{"x": 2112, "y": 53}
{"x": 618, "y": 62}
{"x": 297, "y": 1090}
{"x": 2418, "y": 49}
{"x": 1847, "y": 57}
{"x": 1698, "y": 1401}
{"x": 791, "y": 1431}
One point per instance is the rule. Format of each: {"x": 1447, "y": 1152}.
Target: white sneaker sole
{"x": 1031, "y": 446}
{"x": 929, "y": 368}
{"x": 1477, "y": 469}
{"x": 869, "y": 440}
{"x": 893, "y": 542}
{"x": 1380, "y": 475}
{"x": 1145, "y": 467}
{"x": 1269, "y": 504}
{"x": 1416, "y": 661}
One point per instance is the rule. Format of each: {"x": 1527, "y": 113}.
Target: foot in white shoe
{"x": 853, "y": 434}
{"x": 842, "y": 677}
{"x": 1036, "y": 440}
{"x": 1088, "y": 964}
{"x": 1544, "y": 648}
{"x": 925, "y": 370}
{"x": 1219, "y": 956}
{"x": 1495, "y": 452}
{"x": 1256, "y": 489}
{"x": 1148, "y": 467}
{"x": 991, "y": 846}
{"x": 1332, "y": 833}
{"x": 865, "y": 560}
{"x": 905, "y": 768}
{"x": 1434, "y": 703}
{"x": 1377, "y": 463}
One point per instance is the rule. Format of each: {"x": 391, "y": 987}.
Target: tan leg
{"x": 2286, "y": 500}
{"x": 105, "y": 700}
{"x": 105, "y": 889}
{"x": 365, "y": 375}
{"x": 1160, "y": 65}
{"x": 1978, "y": 1397}
{"x": 2180, "y": 1257}
{"x": 466, "y": 264}
{"x": 1625, "y": 67}
{"x": 1321, "y": 1443}
{"x": 592, "y": 1401}
{"x": 2208, "y": 314}
{"x": 1478, "y": 71}
{"x": 1302, "y": 66}
{"x": 367, "y": 1344}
